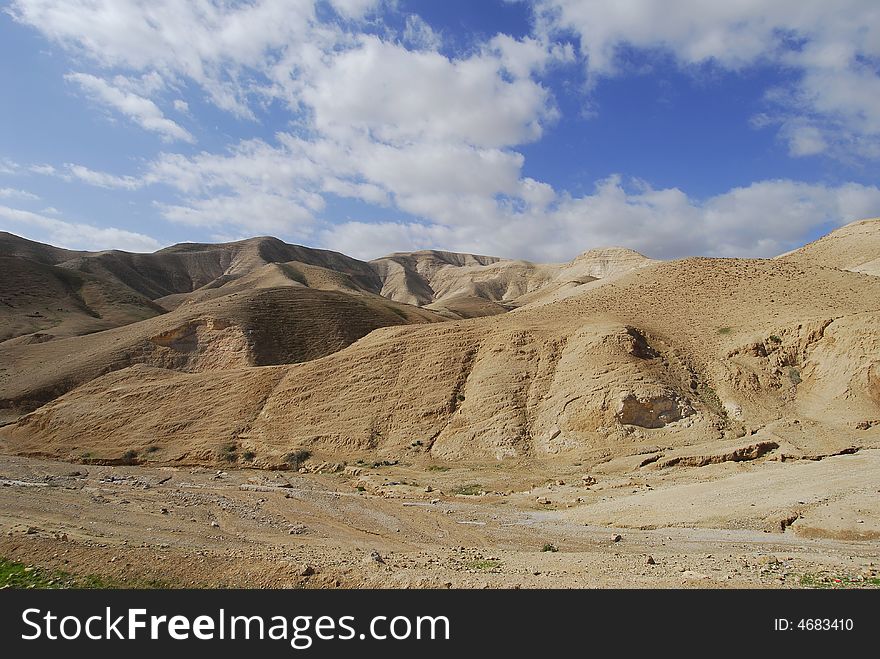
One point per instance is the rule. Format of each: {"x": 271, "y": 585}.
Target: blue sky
{"x": 523, "y": 129}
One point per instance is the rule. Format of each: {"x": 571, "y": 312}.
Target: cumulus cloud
{"x": 393, "y": 122}
{"x": 397, "y": 95}
{"x": 73, "y": 235}
{"x": 763, "y": 219}
{"x": 139, "y": 109}
{"x": 832, "y": 46}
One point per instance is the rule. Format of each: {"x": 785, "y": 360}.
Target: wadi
{"x": 257, "y": 413}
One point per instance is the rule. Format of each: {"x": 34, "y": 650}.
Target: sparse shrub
{"x": 384, "y": 463}
{"x": 438, "y": 468}
{"x": 228, "y": 452}
{"x": 152, "y": 448}
{"x": 248, "y": 456}
{"x": 361, "y": 488}
{"x": 774, "y": 339}
{"x": 418, "y": 442}
{"x": 129, "y": 457}
{"x": 794, "y": 375}
{"x": 460, "y": 398}
{"x": 725, "y": 330}
{"x": 472, "y": 489}
{"x": 296, "y": 458}
{"x": 484, "y": 564}
{"x": 550, "y": 547}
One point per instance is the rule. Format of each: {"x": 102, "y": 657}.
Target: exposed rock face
{"x": 650, "y": 411}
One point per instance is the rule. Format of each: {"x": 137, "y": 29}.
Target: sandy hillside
{"x": 261, "y": 326}
{"x": 40, "y": 302}
{"x": 854, "y": 247}
{"x": 681, "y": 354}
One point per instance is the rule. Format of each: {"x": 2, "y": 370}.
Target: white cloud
{"x": 73, "y": 235}
{"x": 803, "y": 138}
{"x": 43, "y": 169}
{"x": 13, "y": 193}
{"x": 212, "y": 43}
{"x": 419, "y": 35}
{"x": 400, "y": 125}
{"x": 354, "y": 9}
{"x": 8, "y": 166}
{"x": 101, "y": 179}
{"x": 759, "y": 220}
{"x": 833, "y": 46}
{"x": 397, "y": 95}
{"x": 139, "y": 109}
{"x": 258, "y": 213}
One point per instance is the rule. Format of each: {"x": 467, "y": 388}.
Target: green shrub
{"x": 228, "y": 452}
{"x": 296, "y": 458}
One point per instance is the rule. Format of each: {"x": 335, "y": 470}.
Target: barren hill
{"x": 187, "y": 267}
{"x": 469, "y": 285}
{"x": 854, "y": 247}
{"x": 275, "y": 325}
{"x": 676, "y": 360}
{"x": 46, "y": 301}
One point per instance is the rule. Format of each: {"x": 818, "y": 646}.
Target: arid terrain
{"x": 264, "y": 414}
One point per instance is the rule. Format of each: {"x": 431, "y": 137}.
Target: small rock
{"x": 31, "y": 530}
{"x": 616, "y": 537}
{"x": 373, "y": 557}
{"x": 543, "y": 501}
{"x": 429, "y": 489}
{"x": 651, "y": 561}
{"x": 305, "y": 570}
{"x": 690, "y": 574}
{"x": 768, "y": 560}
{"x": 164, "y": 511}
{"x": 215, "y": 524}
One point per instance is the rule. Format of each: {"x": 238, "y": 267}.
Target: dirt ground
{"x": 495, "y": 526}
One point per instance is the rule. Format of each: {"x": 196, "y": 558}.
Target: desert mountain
{"x": 248, "y": 303}
{"x": 50, "y": 292}
{"x": 259, "y": 326}
{"x": 854, "y": 247}
{"x": 685, "y": 360}
{"x": 667, "y": 362}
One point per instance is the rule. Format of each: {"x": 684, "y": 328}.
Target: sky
{"x": 524, "y": 129}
